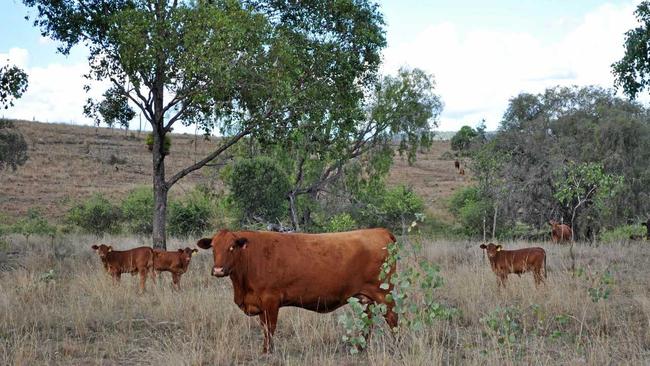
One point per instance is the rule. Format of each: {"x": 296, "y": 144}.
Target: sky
{"x": 481, "y": 54}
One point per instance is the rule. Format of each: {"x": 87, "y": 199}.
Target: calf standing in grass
{"x": 518, "y": 261}
{"x": 174, "y": 262}
{"x": 136, "y": 260}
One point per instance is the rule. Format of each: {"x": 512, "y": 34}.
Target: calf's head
{"x": 102, "y": 250}
{"x": 187, "y": 254}
{"x": 226, "y": 250}
{"x": 491, "y": 249}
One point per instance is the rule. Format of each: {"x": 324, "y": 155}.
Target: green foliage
{"x": 167, "y": 144}
{"x": 259, "y": 187}
{"x": 192, "y": 215}
{"x": 394, "y": 208}
{"x": 13, "y": 148}
{"x": 600, "y": 284}
{"x": 114, "y": 109}
{"x": 504, "y": 324}
{"x": 471, "y": 207}
{"x": 463, "y": 139}
{"x": 586, "y": 182}
{"x": 13, "y": 83}
{"x": 631, "y": 72}
{"x": 341, "y": 222}
{"x": 412, "y": 294}
{"x": 96, "y": 215}
{"x": 137, "y": 211}
{"x": 33, "y": 224}
{"x": 622, "y": 233}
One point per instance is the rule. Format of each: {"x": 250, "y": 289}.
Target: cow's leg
{"x": 537, "y": 274}
{"x": 501, "y": 280}
{"x": 153, "y": 276}
{"x": 143, "y": 278}
{"x": 269, "y": 320}
{"x": 176, "y": 280}
{"x": 116, "y": 277}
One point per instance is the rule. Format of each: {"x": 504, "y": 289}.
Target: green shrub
{"x": 192, "y": 215}
{"x": 33, "y": 224}
{"x": 167, "y": 144}
{"x": 394, "y": 208}
{"x": 258, "y": 186}
{"x": 137, "y": 211}
{"x": 341, "y": 222}
{"x": 622, "y": 233}
{"x": 470, "y": 208}
{"x": 97, "y": 215}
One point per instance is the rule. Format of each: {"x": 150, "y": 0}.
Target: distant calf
{"x": 175, "y": 262}
{"x": 136, "y": 260}
{"x": 518, "y": 261}
{"x": 457, "y": 164}
{"x": 560, "y": 232}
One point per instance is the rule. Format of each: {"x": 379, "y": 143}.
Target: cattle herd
{"x": 317, "y": 272}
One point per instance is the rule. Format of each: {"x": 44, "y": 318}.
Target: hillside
{"x": 67, "y": 163}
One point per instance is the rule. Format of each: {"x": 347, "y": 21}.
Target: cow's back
{"x": 130, "y": 261}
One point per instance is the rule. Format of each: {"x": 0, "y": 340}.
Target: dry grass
{"x": 79, "y": 317}
{"x": 68, "y": 162}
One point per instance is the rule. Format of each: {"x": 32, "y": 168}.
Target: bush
{"x": 167, "y": 144}
{"x": 258, "y": 186}
{"x": 394, "y": 208}
{"x": 96, "y": 216}
{"x": 470, "y": 208}
{"x": 137, "y": 211}
{"x": 463, "y": 139}
{"x": 33, "y": 224}
{"x": 622, "y": 233}
{"x": 191, "y": 216}
{"x": 341, "y": 222}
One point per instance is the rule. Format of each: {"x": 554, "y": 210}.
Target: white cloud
{"x": 15, "y": 56}
{"x": 478, "y": 71}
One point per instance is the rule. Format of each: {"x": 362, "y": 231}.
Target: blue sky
{"x": 481, "y": 53}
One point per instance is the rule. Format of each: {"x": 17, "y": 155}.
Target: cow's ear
{"x": 499, "y": 248}
{"x": 241, "y": 242}
{"x": 110, "y": 248}
{"x": 194, "y": 251}
{"x": 181, "y": 250}
{"x": 95, "y": 247}
{"x": 205, "y": 243}
{"x": 483, "y": 246}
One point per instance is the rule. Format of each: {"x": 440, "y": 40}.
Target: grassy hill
{"x": 68, "y": 163}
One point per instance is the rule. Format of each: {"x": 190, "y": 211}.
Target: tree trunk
{"x": 294, "y": 211}
{"x": 160, "y": 190}
{"x": 494, "y": 223}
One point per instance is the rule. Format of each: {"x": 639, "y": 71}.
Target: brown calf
{"x": 136, "y": 260}
{"x": 457, "y": 164}
{"x": 462, "y": 171}
{"x": 560, "y": 232}
{"x": 175, "y": 262}
{"x": 518, "y": 261}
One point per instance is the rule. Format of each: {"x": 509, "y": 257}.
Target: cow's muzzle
{"x": 218, "y": 271}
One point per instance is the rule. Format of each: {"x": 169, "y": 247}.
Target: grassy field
{"x": 68, "y": 163}
{"x": 74, "y": 315}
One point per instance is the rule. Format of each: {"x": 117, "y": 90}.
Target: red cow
{"x": 560, "y": 232}
{"x": 175, "y": 262}
{"x": 462, "y": 171}
{"x": 504, "y": 262}
{"x": 317, "y": 272}
{"x": 136, "y": 260}
{"x": 457, "y": 164}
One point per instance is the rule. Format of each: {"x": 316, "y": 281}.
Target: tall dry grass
{"x": 77, "y": 316}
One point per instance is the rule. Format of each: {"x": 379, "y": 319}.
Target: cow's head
{"x": 491, "y": 249}
{"x": 553, "y": 222}
{"x": 187, "y": 254}
{"x": 102, "y": 250}
{"x": 226, "y": 249}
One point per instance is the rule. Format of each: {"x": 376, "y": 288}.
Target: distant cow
{"x": 317, "y": 272}
{"x": 457, "y": 164}
{"x": 175, "y": 262}
{"x": 461, "y": 171}
{"x": 504, "y": 262}
{"x": 136, "y": 260}
{"x": 560, "y": 232}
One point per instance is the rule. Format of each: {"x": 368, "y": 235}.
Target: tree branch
{"x": 209, "y": 158}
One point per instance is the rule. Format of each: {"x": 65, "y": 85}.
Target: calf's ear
{"x": 110, "y": 248}
{"x": 180, "y": 250}
{"x": 194, "y": 251}
{"x": 499, "y": 248}
{"x": 483, "y": 246}
{"x": 205, "y": 243}
{"x": 95, "y": 247}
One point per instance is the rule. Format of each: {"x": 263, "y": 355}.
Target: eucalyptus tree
{"x": 256, "y": 68}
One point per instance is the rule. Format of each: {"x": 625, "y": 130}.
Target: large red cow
{"x": 137, "y": 260}
{"x": 174, "y": 262}
{"x": 504, "y": 262}
{"x": 317, "y": 272}
{"x": 560, "y": 232}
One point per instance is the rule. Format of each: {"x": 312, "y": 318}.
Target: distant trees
{"x": 632, "y": 72}
{"x": 548, "y": 138}
{"x": 468, "y": 137}
{"x": 13, "y": 83}
{"x": 13, "y": 148}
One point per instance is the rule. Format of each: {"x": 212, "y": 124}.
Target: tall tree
{"x": 13, "y": 83}
{"x": 632, "y": 72}
{"x": 249, "y": 67}
{"x": 13, "y": 148}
